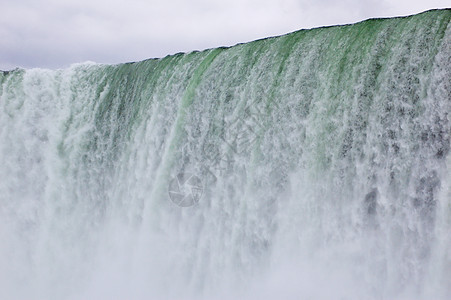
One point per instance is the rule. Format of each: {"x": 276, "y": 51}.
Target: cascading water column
{"x": 322, "y": 158}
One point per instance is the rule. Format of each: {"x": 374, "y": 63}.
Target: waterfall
{"x": 314, "y": 165}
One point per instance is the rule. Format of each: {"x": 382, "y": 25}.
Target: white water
{"x": 324, "y": 158}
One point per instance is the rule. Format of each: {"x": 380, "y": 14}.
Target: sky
{"x": 57, "y": 33}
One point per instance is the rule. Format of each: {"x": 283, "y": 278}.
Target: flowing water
{"x": 318, "y": 165}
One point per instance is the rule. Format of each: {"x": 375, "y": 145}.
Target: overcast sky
{"x": 56, "y": 33}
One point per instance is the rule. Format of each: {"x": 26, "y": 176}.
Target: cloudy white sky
{"x": 56, "y": 33}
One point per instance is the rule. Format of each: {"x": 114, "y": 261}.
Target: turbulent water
{"x": 320, "y": 158}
